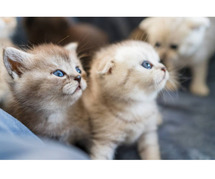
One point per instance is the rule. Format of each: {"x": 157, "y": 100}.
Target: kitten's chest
{"x": 146, "y": 120}
{"x": 55, "y": 124}
{"x": 133, "y": 132}
{"x": 55, "y": 120}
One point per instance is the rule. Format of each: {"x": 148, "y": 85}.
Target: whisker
{"x": 63, "y": 39}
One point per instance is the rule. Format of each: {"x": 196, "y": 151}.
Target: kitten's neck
{"x": 109, "y": 99}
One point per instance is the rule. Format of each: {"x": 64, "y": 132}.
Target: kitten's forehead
{"x": 48, "y": 50}
{"x": 168, "y": 30}
{"x": 66, "y": 64}
{"x": 53, "y": 55}
{"x": 136, "y": 52}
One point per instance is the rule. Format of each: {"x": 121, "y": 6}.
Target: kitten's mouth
{"x": 77, "y": 89}
{"x": 72, "y": 92}
{"x": 164, "y": 77}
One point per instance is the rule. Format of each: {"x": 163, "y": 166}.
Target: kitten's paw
{"x": 159, "y": 120}
{"x": 152, "y": 153}
{"x": 200, "y": 90}
{"x": 93, "y": 157}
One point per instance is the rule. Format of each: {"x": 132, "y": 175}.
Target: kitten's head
{"x": 129, "y": 70}
{"x": 48, "y": 76}
{"x": 175, "y": 37}
{"x": 7, "y": 26}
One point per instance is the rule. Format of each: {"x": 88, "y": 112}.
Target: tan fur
{"x": 120, "y": 99}
{"x": 40, "y": 99}
{"x": 7, "y": 28}
{"x": 196, "y": 44}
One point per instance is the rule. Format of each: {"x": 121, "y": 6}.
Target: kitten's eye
{"x": 59, "y": 73}
{"x": 174, "y": 46}
{"x": 147, "y": 65}
{"x": 157, "y": 44}
{"x": 78, "y": 69}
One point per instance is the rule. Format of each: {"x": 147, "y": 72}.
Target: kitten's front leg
{"x": 148, "y": 146}
{"x": 101, "y": 150}
{"x": 199, "y": 77}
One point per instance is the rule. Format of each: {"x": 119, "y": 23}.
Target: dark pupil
{"x": 157, "y": 44}
{"x": 78, "y": 70}
{"x": 173, "y": 46}
{"x": 148, "y": 65}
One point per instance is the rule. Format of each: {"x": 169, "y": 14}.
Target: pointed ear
{"x": 147, "y": 23}
{"x": 106, "y": 68}
{"x": 15, "y": 61}
{"x": 139, "y": 34}
{"x": 71, "y": 46}
{"x": 198, "y": 22}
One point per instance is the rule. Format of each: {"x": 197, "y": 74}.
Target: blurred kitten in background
{"x": 59, "y": 30}
{"x": 182, "y": 42}
{"x": 7, "y": 29}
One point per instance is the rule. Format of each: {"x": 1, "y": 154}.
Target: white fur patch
{"x": 56, "y": 119}
{"x": 142, "y": 52}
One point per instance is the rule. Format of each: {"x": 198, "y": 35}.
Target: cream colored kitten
{"x": 183, "y": 42}
{"x": 46, "y": 81}
{"x": 7, "y": 29}
{"x": 124, "y": 81}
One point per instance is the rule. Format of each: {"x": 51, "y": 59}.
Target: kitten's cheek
{"x": 83, "y": 85}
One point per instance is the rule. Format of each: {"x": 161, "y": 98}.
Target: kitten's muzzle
{"x": 163, "y": 69}
{"x": 78, "y": 78}
{"x": 165, "y": 75}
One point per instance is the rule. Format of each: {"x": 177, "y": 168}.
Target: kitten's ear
{"x": 198, "y": 22}
{"x": 71, "y": 46}
{"x": 145, "y": 24}
{"x": 106, "y": 68}
{"x": 139, "y": 34}
{"x": 16, "y": 61}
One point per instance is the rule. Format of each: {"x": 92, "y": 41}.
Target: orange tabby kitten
{"x": 46, "y": 81}
{"x": 124, "y": 81}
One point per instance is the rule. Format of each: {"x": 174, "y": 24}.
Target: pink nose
{"x": 163, "y": 69}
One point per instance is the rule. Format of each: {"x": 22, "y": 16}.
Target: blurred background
{"x": 188, "y": 130}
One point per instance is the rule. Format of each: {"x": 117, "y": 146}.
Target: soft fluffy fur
{"x": 195, "y": 40}
{"x": 41, "y": 100}
{"x": 7, "y": 28}
{"x": 120, "y": 99}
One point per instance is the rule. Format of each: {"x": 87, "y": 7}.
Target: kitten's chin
{"x": 76, "y": 92}
{"x": 72, "y": 98}
{"x": 162, "y": 82}
{"x": 71, "y": 89}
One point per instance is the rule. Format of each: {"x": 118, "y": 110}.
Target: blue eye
{"x": 78, "y": 69}
{"x": 147, "y": 65}
{"x": 59, "y": 73}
